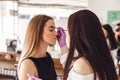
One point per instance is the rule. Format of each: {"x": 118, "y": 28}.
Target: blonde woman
{"x": 35, "y": 60}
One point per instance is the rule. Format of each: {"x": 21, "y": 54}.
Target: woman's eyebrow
{"x": 55, "y": 27}
{"x": 52, "y": 27}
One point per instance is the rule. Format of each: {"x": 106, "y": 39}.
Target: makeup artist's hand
{"x": 61, "y": 37}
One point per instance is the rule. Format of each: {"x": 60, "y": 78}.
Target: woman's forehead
{"x": 50, "y": 23}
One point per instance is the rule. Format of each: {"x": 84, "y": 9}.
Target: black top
{"x": 118, "y": 42}
{"x": 45, "y": 67}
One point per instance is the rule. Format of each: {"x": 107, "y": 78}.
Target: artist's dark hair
{"x": 86, "y": 36}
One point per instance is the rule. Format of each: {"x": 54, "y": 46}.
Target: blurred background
{"x": 15, "y": 15}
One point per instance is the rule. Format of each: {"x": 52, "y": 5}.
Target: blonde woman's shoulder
{"x": 82, "y": 66}
{"x": 26, "y": 67}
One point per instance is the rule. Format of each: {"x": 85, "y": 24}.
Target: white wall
{"x": 61, "y": 23}
{"x": 60, "y": 14}
{"x": 7, "y": 22}
{"x": 101, "y": 7}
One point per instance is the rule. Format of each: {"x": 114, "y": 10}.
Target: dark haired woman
{"x": 88, "y": 57}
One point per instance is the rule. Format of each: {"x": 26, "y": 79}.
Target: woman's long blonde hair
{"x": 33, "y": 36}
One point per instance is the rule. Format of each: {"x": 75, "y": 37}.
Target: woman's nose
{"x": 56, "y": 33}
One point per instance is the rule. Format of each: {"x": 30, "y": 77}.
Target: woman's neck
{"x": 42, "y": 50}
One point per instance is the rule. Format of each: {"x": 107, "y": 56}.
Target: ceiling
{"x": 66, "y": 4}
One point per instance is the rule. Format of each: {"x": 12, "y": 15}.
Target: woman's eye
{"x": 51, "y": 30}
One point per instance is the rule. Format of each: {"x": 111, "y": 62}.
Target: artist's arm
{"x": 61, "y": 37}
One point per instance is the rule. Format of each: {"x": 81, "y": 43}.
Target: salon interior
{"x": 14, "y": 18}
